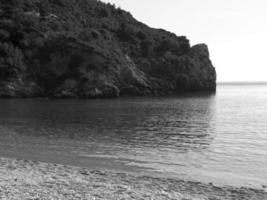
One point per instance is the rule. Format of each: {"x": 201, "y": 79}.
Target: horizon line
{"x": 241, "y": 82}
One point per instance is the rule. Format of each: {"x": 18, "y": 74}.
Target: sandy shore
{"x": 21, "y": 179}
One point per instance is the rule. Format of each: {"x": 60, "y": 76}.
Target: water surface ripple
{"x": 218, "y": 138}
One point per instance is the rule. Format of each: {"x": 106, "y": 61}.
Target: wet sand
{"x": 23, "y": 179}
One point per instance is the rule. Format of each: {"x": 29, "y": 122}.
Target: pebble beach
{"x": 24, "y": 179}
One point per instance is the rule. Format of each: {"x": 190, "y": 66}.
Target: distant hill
{"x": 89, "y": 49}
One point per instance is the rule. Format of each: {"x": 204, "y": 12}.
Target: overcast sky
{"x": 235, "y": 30}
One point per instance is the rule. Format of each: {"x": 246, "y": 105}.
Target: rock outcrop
{"x": 89, "y": 49}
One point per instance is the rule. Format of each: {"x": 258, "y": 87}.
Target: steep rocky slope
{"x": 85, "y": 48}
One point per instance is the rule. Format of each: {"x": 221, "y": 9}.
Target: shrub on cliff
{"x": 11, "y": 61}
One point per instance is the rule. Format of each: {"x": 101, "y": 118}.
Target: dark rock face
{"x": 88, "y": 49}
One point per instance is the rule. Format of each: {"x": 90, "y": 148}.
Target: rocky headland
{"x": 89, "y": 49}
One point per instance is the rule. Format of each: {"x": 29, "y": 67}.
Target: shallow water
{"x": 219, "y": 138}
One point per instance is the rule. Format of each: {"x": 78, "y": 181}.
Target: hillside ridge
{"x": 90, "y": 49}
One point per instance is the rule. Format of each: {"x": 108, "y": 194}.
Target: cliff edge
{"x": 89, "y": 49}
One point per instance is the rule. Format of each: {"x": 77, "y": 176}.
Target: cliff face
{"x": 85, "y": 48}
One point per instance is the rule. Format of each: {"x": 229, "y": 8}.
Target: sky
{"x": 234, "y": 30}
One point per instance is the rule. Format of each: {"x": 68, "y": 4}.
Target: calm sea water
{"x": 219, "y": 138}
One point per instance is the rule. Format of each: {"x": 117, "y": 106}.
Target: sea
{"x": 218, "y": 138}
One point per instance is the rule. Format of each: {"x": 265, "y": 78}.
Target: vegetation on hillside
{"x": 87, "y": 48}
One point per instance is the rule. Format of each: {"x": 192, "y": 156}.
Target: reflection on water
{"x": 210, "y": 138}
{"x": 181, "y": 123}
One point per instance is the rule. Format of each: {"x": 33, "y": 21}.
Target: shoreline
{"x": 75, "y": 97}
{"x": 24, "y": 179}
